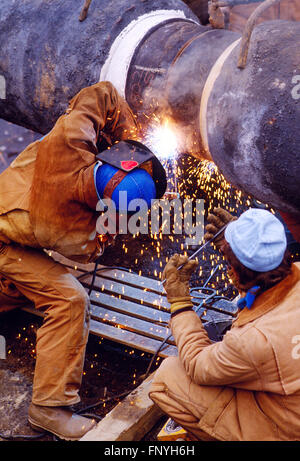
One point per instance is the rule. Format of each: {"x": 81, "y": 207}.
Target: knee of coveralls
{"x": 170, "y": 383}
{"x": 180, "y": 398}
{"x": 61, "y": 344}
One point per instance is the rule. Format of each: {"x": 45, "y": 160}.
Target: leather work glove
{"x": 177, "y": 281}
{"x": 217, "y": 219}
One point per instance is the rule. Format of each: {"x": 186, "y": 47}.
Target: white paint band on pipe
{"x": 209, "y": 84}
{"x": 116, "y": 66}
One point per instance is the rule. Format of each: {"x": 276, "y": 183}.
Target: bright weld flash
{"x": 163, "y": 141}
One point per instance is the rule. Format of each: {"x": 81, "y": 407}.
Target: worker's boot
{"x": 59, "y": 421}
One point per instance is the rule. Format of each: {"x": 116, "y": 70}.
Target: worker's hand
{"x": 216, "y": 220}
{"x": 177, "y": 281}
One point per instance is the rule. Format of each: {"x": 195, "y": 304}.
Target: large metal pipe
{"x": 246, "y": 120}
{"x": 47, "y": 55}
{"x": 253, "y": 118}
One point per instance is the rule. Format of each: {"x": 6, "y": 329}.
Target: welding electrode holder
{"x": 201, "y": 248}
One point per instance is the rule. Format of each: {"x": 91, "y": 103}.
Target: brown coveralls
{"x": 245, "y": 387}
{"x": 48, "y": 201}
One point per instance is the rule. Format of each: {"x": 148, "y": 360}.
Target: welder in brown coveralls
{"x": 48, "y": 201}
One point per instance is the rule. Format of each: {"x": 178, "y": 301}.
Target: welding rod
{"x": 201, "y": 248}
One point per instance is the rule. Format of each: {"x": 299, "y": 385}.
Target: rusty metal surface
{"x": 13, "y": 139}
{"x": 200, "y": 8}
{"x": 47, "y": 55}
{"x": 286, "y": 10}
{"x": 184, "y": 88}
{"x": 254, "y": 114}
{"x": 168, "y": 72}
{"x": 152, "y": 60}
{"x": 251, "y": 23}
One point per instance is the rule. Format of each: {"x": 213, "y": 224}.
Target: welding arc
{"x": 200, "y": 249}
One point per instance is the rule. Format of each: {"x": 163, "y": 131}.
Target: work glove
{"x": 177, "y": 281}
{"x": 216, "y": 220}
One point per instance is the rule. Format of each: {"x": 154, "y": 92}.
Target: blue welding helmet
{"x": 129, "y": 166}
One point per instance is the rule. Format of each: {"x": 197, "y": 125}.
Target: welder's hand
{"x": 177, "y": 281}
{"x": 216, "y": 220}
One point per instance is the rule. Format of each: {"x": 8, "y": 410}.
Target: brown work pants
{"x": 30, "y": 276}
{"x": 180, "y": 398}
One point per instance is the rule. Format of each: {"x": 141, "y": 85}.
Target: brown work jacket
{"x": 256, "y": 365}
{"x": 47, "y": 195}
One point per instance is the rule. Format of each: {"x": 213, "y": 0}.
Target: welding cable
{"x": 90, "y": 415}
{"x": 200, "y": 249}
{"x": 204, "y": 301}
{"x": 212, "y": 298}
{"x": 96, "y": 269}
{"x": 143, "y": 377}
{"x": 93, "y": 278}
{"x": 211, "y": 275}
{"x": 94, "y": 272}
{"x": 216, "y": 309}
{"x": 204, "y": 286}
{"x": 169, "y": 336}
{"x": 83, "y": 411}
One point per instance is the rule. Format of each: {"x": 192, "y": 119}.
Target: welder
{"x": 48, "y": 201}
{"x": 246, "y": 386}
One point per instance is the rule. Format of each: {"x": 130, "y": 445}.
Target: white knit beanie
{"x": 258, "y": 240}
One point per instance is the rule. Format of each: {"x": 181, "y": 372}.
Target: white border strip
{"x": 2, "y": 87}
{"x": 116, "y": 66}
{"x": 209, "y": 84}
